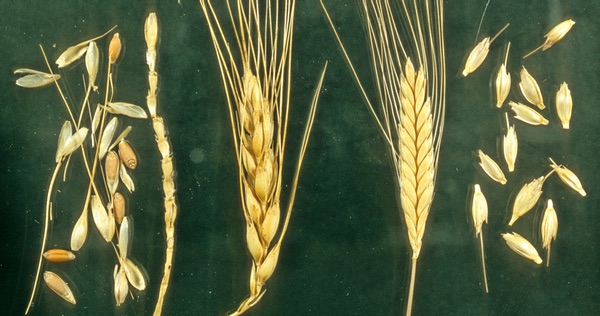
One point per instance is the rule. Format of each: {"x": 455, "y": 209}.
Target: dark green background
{"x": 346, "y": 251}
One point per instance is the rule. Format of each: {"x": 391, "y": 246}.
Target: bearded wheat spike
{"x": 406, "y": 43}
{"x": 258, "y": 83}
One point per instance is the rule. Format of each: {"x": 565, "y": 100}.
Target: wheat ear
{"x": 417, "y": 164}
{"x": 257, "y": 85}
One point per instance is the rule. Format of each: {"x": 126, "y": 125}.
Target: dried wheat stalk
{"x": 410, "y": 73}
{"x": 257, "y": 83}
{"x": 164, "y": 147}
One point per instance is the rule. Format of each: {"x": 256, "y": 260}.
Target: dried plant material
{"x": 114, "y": 48}
{"x": 549, "y": 228}
{"x": 120, "y": 138}
{"x": 564, "y": 105}
{"x": 568, "y": 177}
{"x": 259, "y": 103}
{"x": 121, "y": 285}
{"x": 527, "y": 114}
{"x": 92, "y": 60}
{"x": 510, "y": 145}
{"x": 170, "y": 202}
{"x": 479, "y": 211}
{"x": 101, "y": 218}
{"x": 59, "y": 255}
{"x": 491, "y": 168}
{"x": 119, "y": 207}
{"x": 65, "y": 132}
{"x": 59, "y": 286}
{"x": 72, "y": 143}
{"x": 412, "y": 103}
{"x": 95, "y": 123}
{"x": 35, "y": 78}
{"x": 151, "y": 36}
{"x": 127, "y": 109}
{"x": 530, "y": 89}
{"x": 527, "y": 197}
{"x": 126, "y": 178}
{"x": 75, "y": 52}
{"x": 503, "y": 81}
{"x": 80, "y": 230}
{"x": 127, "y": 155}
{"x": 555, "y": 35}
{"x": 107, "y": 136}
{"x": 124, "y": 238}
{"x": 479, "y": 53}
{"x": 522, "y": 247}
{"x": 134, "y": 275}
{"x": 111, "y": 168}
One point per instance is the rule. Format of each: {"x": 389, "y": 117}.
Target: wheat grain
{"x": 510, "y": 145}
{"x": 491, "y": 168}
{"x": 479, "y": 53}
{"x": 479, "y": 212}
{"x": 59, "y": 286}
{"x": 530, "y": 89}
{"x": 549, "y": 228}
{"x": 554, "y": 35}
{"x": 522, "y": 247}
{"x": 527, "y": 197}
{"x": 568, "y": 177}
{"x": 527, "y": 114}
{"x": 503, "y": 81}
{"x": 564, "y": 105}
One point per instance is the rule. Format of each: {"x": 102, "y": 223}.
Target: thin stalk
{"x": 47, "y": 218}
{"x": 411, "y": 287}
{"x": 548, "y": 255}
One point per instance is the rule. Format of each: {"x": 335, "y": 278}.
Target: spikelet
{"x": 564, "y": 105}
{"x": 80, "y": 230}
{"x": 59, "y": 286}
{"x": 491, "y": 168}
{"x": 530, "y": 89}
{"x": 527, "y": 114}
{"x": 503, "y": 81}
{"x": 479, "y": 211}
{"x": 568, "y": 177}
{"x": 112, "y": 171}
{"x": 522, "y": 247}
{"x": 121, "y": 285}
{"x": 527, "y": 197}
{"x": 549, "y": 228}
{"x": 554, "y": 35}
{"x": 510, "y": 145}
{"x": 479, "y": 53}
{"x": 92, "y": 60}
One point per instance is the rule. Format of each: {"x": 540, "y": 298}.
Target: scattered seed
{"x": 527, "y": 114}
{"x": 522, "y": 247}
{"x": 491, "y": 168}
